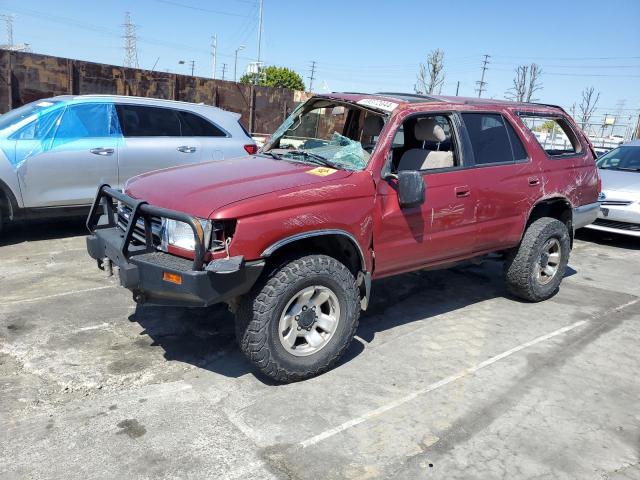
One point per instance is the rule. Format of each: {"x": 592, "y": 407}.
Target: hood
{"x": 620, "y": 181}
{"x": 202, "y": 189}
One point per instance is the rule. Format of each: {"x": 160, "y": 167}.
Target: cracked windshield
{"x": 327, "y": 133}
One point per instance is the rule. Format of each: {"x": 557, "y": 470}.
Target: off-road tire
{"x": 521, "y": 262}
{"x": 259, "y": 312}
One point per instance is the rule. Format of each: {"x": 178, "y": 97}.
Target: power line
{"x": 481, "y": 83}
{"x": 312, "y": 76}
{"x": 200, "y": 9}
{"x": 565, "y": 58}
{"x": 130, "y": 42}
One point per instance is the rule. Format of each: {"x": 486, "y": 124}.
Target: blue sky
{"x": 363, "y": 45}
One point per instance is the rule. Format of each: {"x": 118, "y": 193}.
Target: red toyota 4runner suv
{"x": 350, "y": 188}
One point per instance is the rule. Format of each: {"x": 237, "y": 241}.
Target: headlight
{"x": 179, "y": 234}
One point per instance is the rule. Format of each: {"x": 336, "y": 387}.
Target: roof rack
{"x": 547, "y": 105}
{"x": 409, "y": 96}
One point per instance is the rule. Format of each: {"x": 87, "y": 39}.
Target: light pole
{"x": 191, "y": 62}
{"x": 235, "y": 65}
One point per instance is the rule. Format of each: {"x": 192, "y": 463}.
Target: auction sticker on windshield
{"x": 385, "y": 105}
{"x": 322, "y": 171}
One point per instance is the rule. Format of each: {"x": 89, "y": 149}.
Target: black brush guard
{"x": 141, "y": 209}
{"x": 142, "y": 267}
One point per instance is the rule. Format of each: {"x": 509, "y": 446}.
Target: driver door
{"x": 443, "y": 227}
{"x": 67, "y": 169}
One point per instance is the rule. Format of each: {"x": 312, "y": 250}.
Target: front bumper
{"x": 143, "y": 269}
{"x": 618, "y": 217}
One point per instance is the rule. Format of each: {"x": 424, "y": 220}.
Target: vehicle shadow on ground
{"x": 34, "y": 230}
{"x": 205, "y": 337}
{"x": 608, "y": 239}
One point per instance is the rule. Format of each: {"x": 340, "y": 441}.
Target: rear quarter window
{"x": 554, "y": 134}
{"x": 193, "y": 125}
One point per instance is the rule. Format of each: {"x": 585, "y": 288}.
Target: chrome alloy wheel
{"x": 309, "y": 320}
{"x": 549, "y": 262}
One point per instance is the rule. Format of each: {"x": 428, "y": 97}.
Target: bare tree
{"x": 525, "y": 84}
{"x": 587, "y": 105}
{"x": 431, "y": 74}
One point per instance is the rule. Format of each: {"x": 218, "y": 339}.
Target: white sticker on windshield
{"x": 44, "y": 104}
{"x": 385, "y": 105}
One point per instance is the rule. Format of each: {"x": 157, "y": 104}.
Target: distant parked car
{"x": 620, "y": 196}
{"x": 601, "y": 151}
{"x": 54, "y": 152}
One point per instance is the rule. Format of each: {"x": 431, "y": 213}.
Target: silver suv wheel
{"x": 549, "y": 261}
{"x": 309, "y": 320}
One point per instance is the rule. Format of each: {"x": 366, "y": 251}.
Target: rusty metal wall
{"x": 25, "y": 77}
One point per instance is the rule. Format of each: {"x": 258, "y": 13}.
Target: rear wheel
{"x": 300, "y": 319}
{"x": 535, "y": 269}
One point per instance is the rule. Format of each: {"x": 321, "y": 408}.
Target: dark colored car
{"x": 351, "y": 187}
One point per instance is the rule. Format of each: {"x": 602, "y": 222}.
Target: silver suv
{"x": 54, "y": 152}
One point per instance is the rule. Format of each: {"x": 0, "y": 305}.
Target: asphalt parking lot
{"x": 448, "y": 378}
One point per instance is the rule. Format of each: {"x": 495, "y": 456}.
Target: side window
{"x": 492, "y": 139}
{"x": 519, "y": 152}
{"x": 142, "y": 121}
{"x": 425, "y": 142}
{"x": 554, "y": 134}
{"x": 40, "y": 127}
{"x": 87, "y": 120}
{"x": 195, "y": 126}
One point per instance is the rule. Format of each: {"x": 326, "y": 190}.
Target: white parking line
{"x": 55, "y": 295}
{"x": 434, "y": 386}
{"x": 452, "y": 378}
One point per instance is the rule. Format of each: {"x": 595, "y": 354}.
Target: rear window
{"x": 554, "y": 135}
{"x": 493, "y": 139}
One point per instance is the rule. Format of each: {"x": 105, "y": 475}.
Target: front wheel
{"x": 300, "y": 319}
{"x": 535, "y": 269}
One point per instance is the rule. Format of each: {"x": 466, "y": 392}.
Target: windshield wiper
{"x": 314, "y": 157}
{"x": 271, "y": 154}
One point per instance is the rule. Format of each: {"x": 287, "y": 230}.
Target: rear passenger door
{"x": 153, "y": 140}
{"x": 504, "y": 181}
{"x": 197, "y": 129}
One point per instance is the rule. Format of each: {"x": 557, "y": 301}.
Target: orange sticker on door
{"x": 321, "y": 171}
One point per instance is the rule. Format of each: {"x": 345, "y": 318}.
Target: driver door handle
{"x": 462, "y": 192}
{"x": 186, "y": 149}
{"x": 104, "y": 152}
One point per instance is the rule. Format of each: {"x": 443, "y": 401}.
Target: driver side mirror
{"x": 410, "y": 188}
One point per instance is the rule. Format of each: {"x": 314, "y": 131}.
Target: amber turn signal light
{"x": 172, "y": 277}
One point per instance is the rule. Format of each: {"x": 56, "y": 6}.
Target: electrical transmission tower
{"x": 481, "y": 83}
{"x": 224, "y": 69}
{"x": 130, "y": 42}
{"x": 214, "y": 54}
{"x": 312, "y": 76}
{"x": 8, "y": 21}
